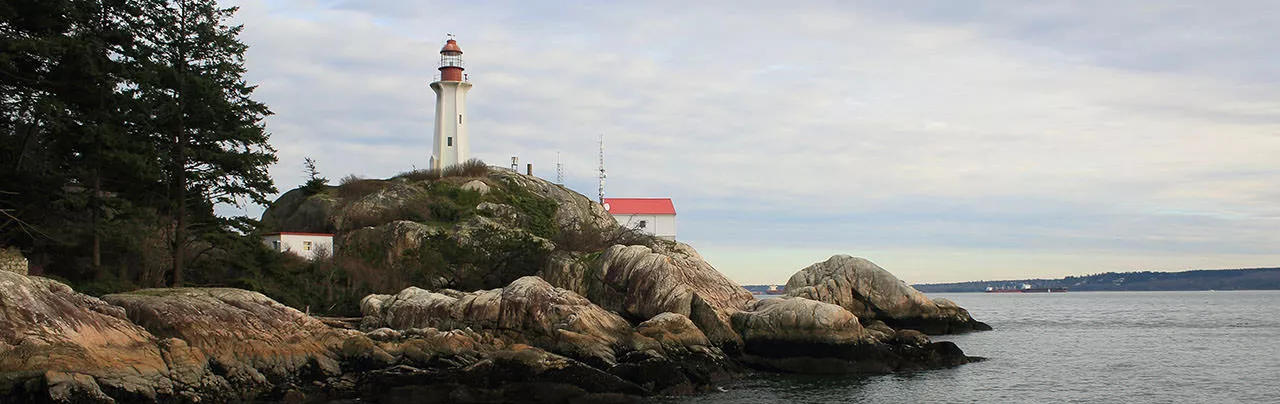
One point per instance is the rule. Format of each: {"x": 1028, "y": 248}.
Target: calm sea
{"x": 1077, "y": 347}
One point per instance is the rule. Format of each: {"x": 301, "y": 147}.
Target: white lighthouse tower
{"x": 452, "y": 146}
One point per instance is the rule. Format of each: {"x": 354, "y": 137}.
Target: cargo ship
{"x": 1026, "y": 288}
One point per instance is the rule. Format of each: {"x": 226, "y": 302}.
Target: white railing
{"x": 465, "y": 77}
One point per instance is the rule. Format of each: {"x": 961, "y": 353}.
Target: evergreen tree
{"x": 60, "y": 120}
{"x": 115, "y": 111}
{"x": 199, "y": 109}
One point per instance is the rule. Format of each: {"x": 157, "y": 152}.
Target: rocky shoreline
{"x": 557, "y": 308}
{"x": 529, "y": 341}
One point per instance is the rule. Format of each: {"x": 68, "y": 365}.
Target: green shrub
{"x": 539, "y": 212}
{"x": 445, "y": 210}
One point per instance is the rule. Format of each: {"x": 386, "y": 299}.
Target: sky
{"x": 944, "y": 141}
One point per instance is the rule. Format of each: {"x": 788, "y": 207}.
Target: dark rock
{"x": 799, "y": 335}
{"x": 302, "y": 211}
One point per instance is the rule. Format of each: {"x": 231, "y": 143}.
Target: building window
{"x": 459, "y": 119}
{"x": 642, "y": 224}
{"x": 306, "y": 246}
{"x": 450, "y": 141}
{"x": 275, "y": 245}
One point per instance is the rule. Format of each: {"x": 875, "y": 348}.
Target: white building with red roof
{"x": 305, "y": 245}
{"x": 653, "y": 216}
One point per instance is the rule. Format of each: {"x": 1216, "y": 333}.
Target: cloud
{"x": 1007, "y": 128}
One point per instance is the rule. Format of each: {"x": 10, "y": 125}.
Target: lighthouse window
{"x": 450, "y": 140}
{"x": 459, "y": 119}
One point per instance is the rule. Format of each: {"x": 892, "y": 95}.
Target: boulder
{"x": 476, "y": 186}
{"x": 674, "y": 331}
{"x": 300, "y": 210}
{"x": 797, "y": 320}
{"x": 794, "y": 334}
{"x": 255, "y": 341}
{"x": 870, "y": 292}
{"x": 642, "y": 282}
{"x": 71, "y": 347}
{"x": 528, "y": 310}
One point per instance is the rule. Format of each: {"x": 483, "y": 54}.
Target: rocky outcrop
{"x": 673, "y": 331}
{"x": 526, "y": 341}
{"x": 598, "y": 325}
{"x": 254, "y": 342}
{"x": 301, "y": 210}
{"x": 641, "y": 282}
{"x": 476, "y": 253}
{"x": 872, "y": 293}
{"x": 666, "y": 354}
{"x": 392, "y": 241}
{"x": 518, "y": 374}
{"x": 573, "y": 210}
{"x": 798, "y": 320}
{"x": 57, "y": 345}
{"x": 529, "y": 310}
{"x": 794, "y": 334}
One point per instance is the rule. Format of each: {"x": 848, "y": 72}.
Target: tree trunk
{"x": 96, "y": 208}
{"x": 180, "y": 164}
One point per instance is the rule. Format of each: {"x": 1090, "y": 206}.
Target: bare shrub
{"x": 321, "y": 252}
{"x": 427, "y": 174}
{"x": 588, "y": 237}
{"x": 354, "y": 187}
{"x": 469, "y": 168}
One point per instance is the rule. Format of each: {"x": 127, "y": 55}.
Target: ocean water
{"x": 1077, "y": 347}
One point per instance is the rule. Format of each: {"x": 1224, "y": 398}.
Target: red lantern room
{"x": 451, "y": 65}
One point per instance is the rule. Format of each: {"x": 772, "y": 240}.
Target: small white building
{"x": 653, "y": 216}
{"x": 305, "y": 245}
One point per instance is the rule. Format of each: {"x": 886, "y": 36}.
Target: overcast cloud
{"x": 943, "y": 140}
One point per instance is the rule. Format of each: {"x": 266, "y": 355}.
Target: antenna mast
{"x": 559, "y": 170}
{"x": 602, "y": 169}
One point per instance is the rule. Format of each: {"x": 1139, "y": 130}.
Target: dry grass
{"x": 587, "y": 238}
{"x": 354, "y": 187}
{"x": 473, "y": 168}
{"x": 428, "y": 174}
{"x": 469, "y": 168}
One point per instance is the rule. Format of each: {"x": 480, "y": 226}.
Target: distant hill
{"x": 1212, "y": 279}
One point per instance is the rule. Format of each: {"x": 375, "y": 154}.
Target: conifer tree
{"x": 191, "y": 87}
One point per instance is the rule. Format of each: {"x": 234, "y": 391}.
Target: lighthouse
{"x": 452, "y": 146}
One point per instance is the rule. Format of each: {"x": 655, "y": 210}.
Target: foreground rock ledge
{"x": 527, "y": 341}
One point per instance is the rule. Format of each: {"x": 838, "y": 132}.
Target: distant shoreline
{"x": 1145, "y": 281}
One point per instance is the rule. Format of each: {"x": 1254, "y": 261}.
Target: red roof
{"x": 296, "y": 233}
{"x": 639, "y": 206}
